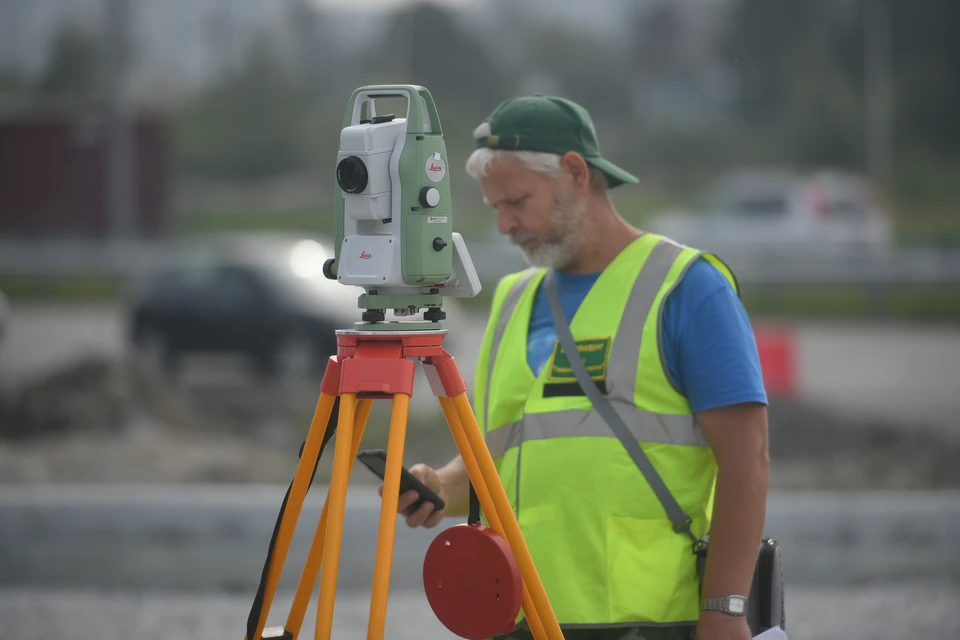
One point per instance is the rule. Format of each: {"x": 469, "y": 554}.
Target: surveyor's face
{"x": 539, "y": 214}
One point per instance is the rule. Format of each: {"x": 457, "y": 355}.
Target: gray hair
{"x": 478, "y": 164}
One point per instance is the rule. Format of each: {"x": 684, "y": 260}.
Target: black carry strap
{"x": 256, "y": 610}
{"x": 474, "y": 516}
{"x": 681, "y": 522}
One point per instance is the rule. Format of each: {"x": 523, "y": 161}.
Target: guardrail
{"x": 929, "y": 267}
{"x": 758, "y": 266}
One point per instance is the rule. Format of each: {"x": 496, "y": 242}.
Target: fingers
{"x": 407, "y": 499}
{"x": 433, "y": 519}
{"x": 424, "y": 516}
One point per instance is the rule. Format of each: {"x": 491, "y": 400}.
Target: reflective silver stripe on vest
{"x": 644, "y": 425}
{"x": 506, "y": 312}
{"x": 625, "y": 353}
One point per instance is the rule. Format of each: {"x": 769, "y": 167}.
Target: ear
{"x": 577, "y": 169}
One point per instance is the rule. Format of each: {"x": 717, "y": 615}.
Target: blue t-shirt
{"x": 708, "y": 342}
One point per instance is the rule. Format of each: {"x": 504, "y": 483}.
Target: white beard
{"x": 570, "y": 232}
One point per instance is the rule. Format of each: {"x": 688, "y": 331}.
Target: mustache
{"x": 521, "y": 237}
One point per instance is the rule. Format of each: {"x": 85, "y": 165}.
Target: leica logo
{"x": 435, "y": 167}
{"x": 365, "y": 256}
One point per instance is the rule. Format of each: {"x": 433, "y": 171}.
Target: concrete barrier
{"x": 215, "y": 537}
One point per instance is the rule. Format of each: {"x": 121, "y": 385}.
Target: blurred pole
{"x": 411, "y": 53}
{"x": 121, "y": 165}
{"x": 879, "y": 91}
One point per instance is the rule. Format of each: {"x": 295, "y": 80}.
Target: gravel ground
{"x": 879, "y": 612}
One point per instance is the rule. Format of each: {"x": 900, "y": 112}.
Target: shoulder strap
{"x": 681, "y": 522}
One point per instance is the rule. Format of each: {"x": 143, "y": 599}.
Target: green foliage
{"x": 425, "y": 45}
{"x": 918, "y": 304}
{"x": 308, "y": 220}
{"x": 15, "y": 91}
{"x": 73, "y": 70}
{"x": 254, "y": 122}
{"x": 676, "y": 102}
{"x": 60, "y": 288}
{"x": 801, "y": 70}
{"x": 927, "y": 66}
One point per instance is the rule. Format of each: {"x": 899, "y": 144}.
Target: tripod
{"x": 374, "y": 365}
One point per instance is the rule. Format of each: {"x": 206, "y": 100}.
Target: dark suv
{"x": 268, "y": 301}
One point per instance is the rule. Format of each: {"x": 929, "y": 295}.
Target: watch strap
{"x": 723, "y": 605}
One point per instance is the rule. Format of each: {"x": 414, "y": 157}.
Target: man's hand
{"x": 716, "y": 625}
{"x": 426, "y": 516}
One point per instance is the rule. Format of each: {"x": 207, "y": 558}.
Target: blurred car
{"x": 262, "y": 297}
{"x": 781, "y": 209}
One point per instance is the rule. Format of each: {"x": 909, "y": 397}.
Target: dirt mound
{"x": 812, "y": 449}
{"x": 94, "y": 395}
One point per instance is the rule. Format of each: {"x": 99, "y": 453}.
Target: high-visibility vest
{"x": 602, "y": 544}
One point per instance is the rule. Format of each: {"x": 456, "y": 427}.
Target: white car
{"x": 782, "y": 210}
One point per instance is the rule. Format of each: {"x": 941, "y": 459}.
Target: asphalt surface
{"x": 208, "y": 537}
{"x": 875, "y": 612}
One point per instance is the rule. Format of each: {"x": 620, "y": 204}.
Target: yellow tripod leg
{"x": 298, "y": 492}
{"x": 483, "y": 495}
{"x": 311, "y": 568}
{"x": 388, "y": 515}
{"x": 337, "y": 498}
{"x": 501, "y": 503}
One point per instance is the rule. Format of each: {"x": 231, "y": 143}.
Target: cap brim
{"x": 615, "y": 175}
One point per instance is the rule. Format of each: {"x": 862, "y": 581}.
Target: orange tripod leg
{"x": 501, "y": 503}
{"x": 298, "y": 492}
{"x": 311, "y": 568}
{"x": 483, "y": 495}
{"x": 337, "y": 498}
{"x": 388, "y": 516}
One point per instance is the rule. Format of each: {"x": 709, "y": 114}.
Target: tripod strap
{"x": 256, "y": 610}
{"x": 474, "y": 517}
{"x": 681, "y": 522}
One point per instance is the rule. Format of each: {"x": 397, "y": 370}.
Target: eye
{"x": 516, "y": 202}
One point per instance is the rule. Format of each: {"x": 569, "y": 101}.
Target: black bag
{"x": 765, "y": 605}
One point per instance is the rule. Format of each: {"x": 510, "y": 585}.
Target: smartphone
{"x": 376, "y": 461}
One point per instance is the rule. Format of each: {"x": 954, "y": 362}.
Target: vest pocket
{"x": 644, "y": 567}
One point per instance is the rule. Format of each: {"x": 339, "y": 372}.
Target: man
{"x": 663, "y": 328}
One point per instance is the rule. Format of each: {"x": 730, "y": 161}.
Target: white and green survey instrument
{"x": 394, "y": 212}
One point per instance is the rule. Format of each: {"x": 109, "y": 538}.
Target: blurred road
{"x": 871, "y": 612}
{"x": 887, "y": 372}
{"x": 904, "y": 372}
{"x": 172, "y": 562}
{"x": 214, "y": 537}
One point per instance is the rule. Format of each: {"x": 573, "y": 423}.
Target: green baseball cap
{"x": 550, "y": 124}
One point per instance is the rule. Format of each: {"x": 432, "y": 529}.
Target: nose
{"x": 505, "y": 222}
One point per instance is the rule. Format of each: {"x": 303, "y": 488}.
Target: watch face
{"x": 735, "y": 605}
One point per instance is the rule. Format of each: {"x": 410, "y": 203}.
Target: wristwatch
{"x": 731, "y": 605}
